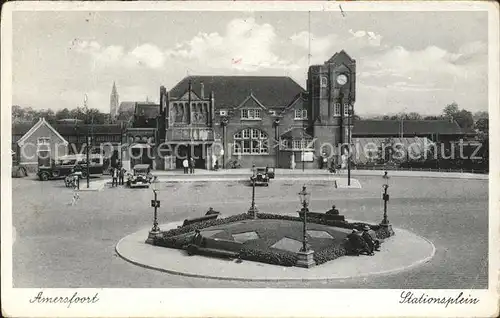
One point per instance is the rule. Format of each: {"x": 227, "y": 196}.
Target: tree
{"x": 451, "y": 110}
{"x": 433, "y": 117}
{"x": 464, "y": 119}
{"x": 63, "y": 114}
{"x": 414, "y": 116}
{"x": 482, "y": 125}
{"x": 480, "y": 114}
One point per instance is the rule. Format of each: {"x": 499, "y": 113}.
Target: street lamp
{"x": 155, "y": 231}
{"x": 385, "y": 196}
{"x": 253, "y": 209}
{"x": 304, "y": 197}
{"x": 305, "y": 257}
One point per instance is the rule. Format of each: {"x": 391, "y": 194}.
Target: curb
{"x": 286, "y": 279}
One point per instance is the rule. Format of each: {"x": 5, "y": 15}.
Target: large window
{"x": 251, "y": 141}
{"x": 300, "y": 114}
{"x": 250, "y": 114}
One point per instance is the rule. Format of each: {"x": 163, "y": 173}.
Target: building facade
{"x": 256, "y": 120}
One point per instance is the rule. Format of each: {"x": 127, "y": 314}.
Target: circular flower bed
{"x": 181, "y": 237}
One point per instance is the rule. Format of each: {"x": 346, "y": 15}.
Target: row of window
{"x": 250, "y": 114}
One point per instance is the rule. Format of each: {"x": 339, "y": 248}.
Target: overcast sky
{"x": 414, "y": 61}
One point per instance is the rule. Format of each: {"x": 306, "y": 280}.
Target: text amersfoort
{"x": 74, "y": 299}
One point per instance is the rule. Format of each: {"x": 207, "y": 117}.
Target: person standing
{"x": 191, "y": 165}
{"x": 114, "y": 182}
{"x": 122, "y": 175}
{"x": 185, "y": 165}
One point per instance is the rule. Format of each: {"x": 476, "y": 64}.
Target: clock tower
{"x": 332, "y": 88}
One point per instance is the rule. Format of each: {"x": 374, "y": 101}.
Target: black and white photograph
{"x": 277, "y": 159}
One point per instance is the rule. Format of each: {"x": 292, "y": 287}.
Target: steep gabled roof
{"x": 79, "y": 129}
{"x": 126, "y": 106}
{"x": 410, "y": 127}
{"x": 231, "y": 91}
{"x": 41, "y": 122}
{"x": 148, "y": 110}
{"x": 254, "y": 99}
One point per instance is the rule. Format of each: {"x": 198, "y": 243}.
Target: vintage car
{"x": 263, "y": 175}
{"x": 66, "y": 165}
{"x": 141, "y": 176}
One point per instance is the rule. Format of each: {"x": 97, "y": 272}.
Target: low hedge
{"x": 268, "y": 256}
{"x": 204, "y": 224}
{"x": 330, "y": 253}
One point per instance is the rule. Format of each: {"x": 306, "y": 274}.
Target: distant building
{"x": 65, "y": 137}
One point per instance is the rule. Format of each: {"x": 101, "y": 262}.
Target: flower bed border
{"x": 173, "y": 239}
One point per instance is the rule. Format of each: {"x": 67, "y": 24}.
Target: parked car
{"x": 66, "y": 165}
{"x": 263, "y": 175}
{"x": 141, "y": 176}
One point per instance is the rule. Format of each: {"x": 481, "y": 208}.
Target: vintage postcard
{"x": 250, "y": 159}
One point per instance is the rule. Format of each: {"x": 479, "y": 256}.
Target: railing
{"x": 390, "y": 168}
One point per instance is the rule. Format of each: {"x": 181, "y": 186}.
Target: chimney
{"x": 202, "y": 90}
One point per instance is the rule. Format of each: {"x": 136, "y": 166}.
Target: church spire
{"x": 113, "y": 102}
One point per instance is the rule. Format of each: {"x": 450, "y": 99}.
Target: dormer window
{"x": 250, "y": 114}
{"x": 300, "y": 114}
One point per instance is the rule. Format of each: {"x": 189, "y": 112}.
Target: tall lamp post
{"x": 155, "y": 231}
{"x": 223, "y": 123}
{"x": 349, "y": 133}
{"x": 305, "y": 257}
{"x": 253, "y": 209}
{"x": 385, "y": 197}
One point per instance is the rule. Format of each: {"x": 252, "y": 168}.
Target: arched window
{"x": 251, "y": 141}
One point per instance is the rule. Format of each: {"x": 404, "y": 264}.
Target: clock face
{"x": 342, "y": 79}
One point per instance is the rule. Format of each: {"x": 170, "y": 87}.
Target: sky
{"x": 406, "y": 61}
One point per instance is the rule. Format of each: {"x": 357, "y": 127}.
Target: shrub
{"x": 330, "y": 253}
{"x": 382, "y": 233}
{"x": 178, "y": 242}
{"x": 204, "y": 224}
{"x": 269, "y": 256}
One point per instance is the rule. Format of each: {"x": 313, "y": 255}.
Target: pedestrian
{"x": 368, "y": 239}
{"x": 325, "y": 161}
{"x": 121, "y": 175}
{"x": 185, "y": 165}
{"x": 373, "y": 236}
{"x": 191, "y": 165}
{"x": 115, "y": 177}
{"x": 358, "y": 244}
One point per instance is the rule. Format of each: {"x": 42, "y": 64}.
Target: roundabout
{"x": 394, "y": 257}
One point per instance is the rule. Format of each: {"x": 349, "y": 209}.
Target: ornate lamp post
{"x": 224, "y": 123}
{"x": 305, "y": 255}
{"x": 253, "y": 209}
{"x": 385, "y": 196}
{"x": 155, "y": 231}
